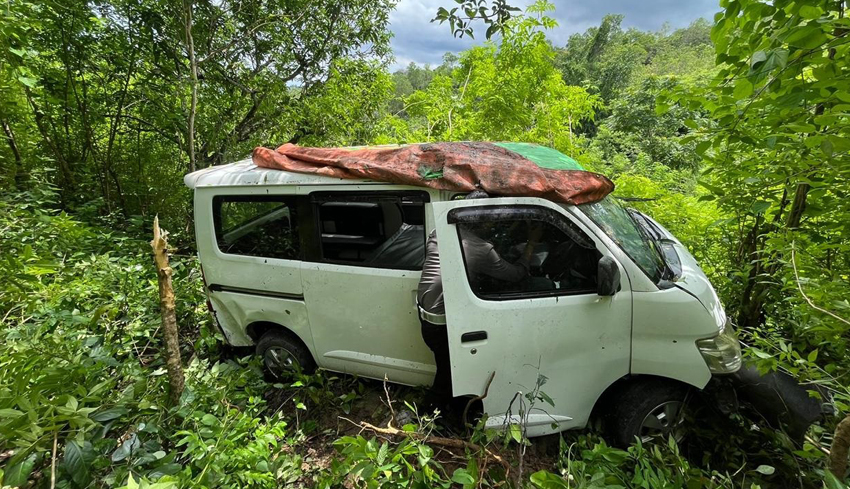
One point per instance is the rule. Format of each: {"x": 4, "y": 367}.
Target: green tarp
{"x": 544, "y": 157}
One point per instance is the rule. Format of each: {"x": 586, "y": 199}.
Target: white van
{"x": 324, "y": 272}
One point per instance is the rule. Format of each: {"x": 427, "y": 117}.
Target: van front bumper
{"x": 776, "y": 396}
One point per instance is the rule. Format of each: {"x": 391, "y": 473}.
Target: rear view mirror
{"x": 607, "y": 276}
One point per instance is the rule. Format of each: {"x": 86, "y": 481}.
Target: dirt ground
{"x": 325, "y": 416}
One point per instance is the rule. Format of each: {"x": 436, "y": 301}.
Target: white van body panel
{"x": 367, "y": 323}
{"x": 279, "y": 280}
{"x": 580, "y": 343}
{"x": 244, "y": 309}
{"x": 666, "y": 325}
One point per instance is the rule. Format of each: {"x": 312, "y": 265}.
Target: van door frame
{"x": 506, "y": 321}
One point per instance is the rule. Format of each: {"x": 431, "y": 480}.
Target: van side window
{"x": 562, "y": 262}
{"x": 263, "y": 226}
{"x": 375, "y": 229}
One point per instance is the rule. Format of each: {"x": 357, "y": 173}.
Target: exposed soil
{"x": 325, "y": 417}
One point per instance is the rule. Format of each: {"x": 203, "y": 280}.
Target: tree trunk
{"x": 798, "y": 206}
{"x": 193, "y": 75}
{"x": 169, "y": 317}
{"x": 20, "y": 174}
{"x": 755, "y": 293}
{"x": 840, "y": 445}
{"x": 64, "y": 166}
{"x": 750, "y": 253}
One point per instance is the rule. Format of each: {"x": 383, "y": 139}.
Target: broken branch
{"x": 840, "y": 446}
{"x": 439, "y": 441}
{"x": 173, "y": 364}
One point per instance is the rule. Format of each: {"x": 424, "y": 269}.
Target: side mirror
{"x": 607, "y": 276}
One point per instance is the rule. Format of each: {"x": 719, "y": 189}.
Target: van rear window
{"x": 263, "y": 226}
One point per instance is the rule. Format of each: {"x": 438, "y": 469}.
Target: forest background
{"x": 732, "y": 132}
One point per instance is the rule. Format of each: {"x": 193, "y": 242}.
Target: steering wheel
{"x": 555, "y": 265}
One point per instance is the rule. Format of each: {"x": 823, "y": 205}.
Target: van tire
{"x": 282, "y": 353}
{"x": 634, "y": 403}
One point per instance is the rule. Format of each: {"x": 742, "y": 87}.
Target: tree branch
{"x": 808, "y": 300}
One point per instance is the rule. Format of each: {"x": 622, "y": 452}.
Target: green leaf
{"x": 382, "y": 453}
{"x": 425, "y": 453}
{"x": 765, "y": 469}
{"x": 702, "y": 147}
{"x": 761, "y": 354}
{"x": 461, "y": 476}
{"x": 18, "y": 474}
{"x": 743, "y": 89}
{"x": 806, "y": 36}
{"x": 547, "y": 480}
{"x": 760, "y": 206}
{"x": 516, "y": 433}
{"x": 763, "y": 63}
{"x": 813, "y": 355}
{"x": 801, "y": 127}
{"x": 10, "y": 413}
{"x": 28, "y": 81}
{"x": 209, "y": 420}
{"x": 126, "y": 448}
{"x": 162, "y": 485}
{"x": 76, "y": 463}
{"x": 832, "y": 482}
{"x": 827, "y": 147}
{"x": 810, "y": 12}
{"x": 109, "y": 414}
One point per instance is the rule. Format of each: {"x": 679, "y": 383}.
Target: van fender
{"x": 246, "y": 309}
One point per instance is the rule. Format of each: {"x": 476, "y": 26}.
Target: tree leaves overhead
{"x": 109, "y": 89}
{"x": 776, "y": 141}
{"x": 462, "y": 18}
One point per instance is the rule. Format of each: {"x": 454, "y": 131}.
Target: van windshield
{"x": 616, "y": 222}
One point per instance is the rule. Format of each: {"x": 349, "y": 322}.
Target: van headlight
{"x": 722, "y": 353}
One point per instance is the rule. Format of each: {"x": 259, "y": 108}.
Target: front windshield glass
{"x": 616, "y": 222}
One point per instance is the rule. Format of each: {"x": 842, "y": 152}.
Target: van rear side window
{"x": 264, "y": 226}
{"x": 380, "y": 230}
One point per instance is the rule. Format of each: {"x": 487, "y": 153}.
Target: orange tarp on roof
{"x": 461, "y": 167}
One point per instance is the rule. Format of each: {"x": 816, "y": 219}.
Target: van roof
{"x": 245, "y": 172}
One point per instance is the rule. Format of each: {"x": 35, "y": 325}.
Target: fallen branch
{"x": 439, "y": 441}
{"x": 389, "y": 402}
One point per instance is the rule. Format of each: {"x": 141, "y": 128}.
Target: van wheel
{"x": 647, "y": 409}
{"x": 283, "y": 355}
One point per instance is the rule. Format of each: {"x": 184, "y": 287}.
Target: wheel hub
{"x": 279, "y": 360}
{"x": 663, "y": 421}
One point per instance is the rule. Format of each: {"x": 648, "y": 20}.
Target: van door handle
{"x": 473, "y": 336}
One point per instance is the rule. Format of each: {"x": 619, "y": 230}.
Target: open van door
{"x": 545, "y": 324}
